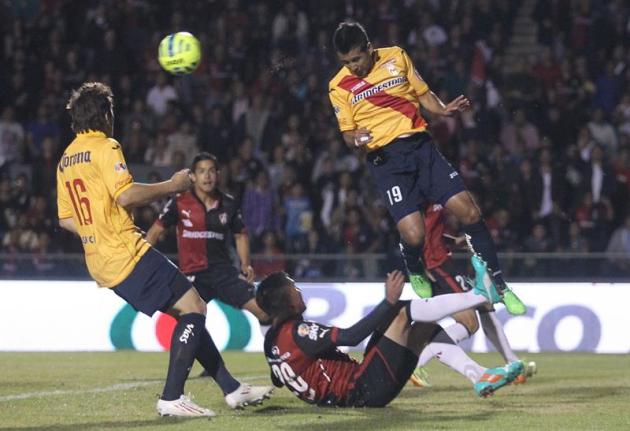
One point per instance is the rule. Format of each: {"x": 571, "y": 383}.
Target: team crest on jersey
{"x": 391, "y": 68}
{"x": 223, "y": 218}
{"x": 303, "y": 330}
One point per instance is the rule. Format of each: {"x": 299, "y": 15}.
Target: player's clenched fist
{"x": 394, "y": 286}
{"x": 181, "y": 180}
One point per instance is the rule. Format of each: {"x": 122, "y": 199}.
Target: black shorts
{"x": 410, "y": 172}
{"x": 223, "y": 282}
{"x": 385, "y": 369}
{"x": 447, "y": 280}
{"x": 154, "y": 284}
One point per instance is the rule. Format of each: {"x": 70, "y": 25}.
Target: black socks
{"x": 483, "y": 244}
{"x": 185, "y": 342}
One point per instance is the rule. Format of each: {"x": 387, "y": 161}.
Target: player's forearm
{"x": 432, "y": 103}
{"x": 242, "y": 248}
{"x": 68, "y": 224}
{"x": 359, "y": 331}
{"x": 153, "y": 235}
{"x": 141, "y": 194}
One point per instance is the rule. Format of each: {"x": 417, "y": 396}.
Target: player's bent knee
{"x": 412, "y": 236}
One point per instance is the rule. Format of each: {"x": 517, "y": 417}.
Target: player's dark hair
{"x": 89, "y": 107}
{"x": 350, "y": 35}
{"x": 271, "y": 294}
{"x": 204, "y": 156}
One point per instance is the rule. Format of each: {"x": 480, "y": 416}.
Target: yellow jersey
{"x": 92, "y": 173}
{"x": 385, "y": 101}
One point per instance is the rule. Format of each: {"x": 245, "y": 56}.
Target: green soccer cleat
{"x": 513, "y": 304}
{"x": 420, "y": 378}
{"x": 421, "y": 285}
{"x": 483, "y": 283}
{"x": 495, "y": 378}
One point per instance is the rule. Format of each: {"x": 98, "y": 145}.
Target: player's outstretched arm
{"x": 432, "y": 103}
{"x": 141, "y": 194}
{"x": 154, "y": 233}
{"x": 68, "y": 224}
{"x": 363, "y": 328}
{"x": 242, "y": 249}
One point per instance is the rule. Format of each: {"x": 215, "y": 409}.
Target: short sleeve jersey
{"x": 92, "y": 173}
{"x": 202, "y": 234}
{"x": 385, "y": 101}
{"x": 303, "y": 357}
{"x": 435, "y": 251}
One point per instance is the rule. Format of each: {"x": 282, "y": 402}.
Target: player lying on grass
{"x": 303, "y": 355}
{"x": 445, "y": 279}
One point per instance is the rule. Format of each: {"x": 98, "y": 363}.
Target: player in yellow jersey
{"x": 95, "y": 192}
{"x": 376, "y": 97}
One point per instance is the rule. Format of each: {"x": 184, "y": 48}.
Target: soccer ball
{"x": 179, "y": 53}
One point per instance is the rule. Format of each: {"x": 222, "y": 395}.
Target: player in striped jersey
{"x": 376, "y": 97}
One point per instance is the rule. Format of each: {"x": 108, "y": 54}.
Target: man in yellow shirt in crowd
{"x": 95, "y": 192}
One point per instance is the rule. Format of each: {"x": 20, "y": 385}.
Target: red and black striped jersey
{"x": 303, "y": 357}
{"x": 435, "y": 251}
{"x": 202, "y": 234}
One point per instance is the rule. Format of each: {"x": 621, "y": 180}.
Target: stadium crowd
{"x": 545, "y": 149}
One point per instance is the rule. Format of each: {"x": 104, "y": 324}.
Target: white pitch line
{"x": 112, "y": 388}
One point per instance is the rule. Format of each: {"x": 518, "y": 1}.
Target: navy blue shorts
{"x": 410, "y": 172}
{"x": 154, "y": 284}
{"x": 223, "y": 282}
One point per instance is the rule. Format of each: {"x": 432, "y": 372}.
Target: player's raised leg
{"x": 482, "y": 244}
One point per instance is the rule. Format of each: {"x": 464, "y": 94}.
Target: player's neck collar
{"x": 91, "y": 132}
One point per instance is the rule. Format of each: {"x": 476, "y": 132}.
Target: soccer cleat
{"x": 495, "y": 378}
{"x": 483, "y": 284}
{"x": 419, "y": 378}
{"x": 247, "y": 395}
{"x": 421, "y": 285}
{"x": 182, "y": 407}
{"x": 529, "y": 369}
{"x": 513, "y": 304}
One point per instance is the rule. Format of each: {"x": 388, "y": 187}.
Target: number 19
{"x": 394, "y": 195}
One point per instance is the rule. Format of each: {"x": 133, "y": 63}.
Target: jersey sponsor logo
{"x": 202, "y": 234}
{"x": 453, "y": 175}
{"x": 313, "y": 332}
{"x": 357, "y": 86}
{"x": 223, "y": 218}
{"x": 303, "y": 330}
{"x": 73, "y": 159}
{"x": 187, "y": 222}
{"x": 120, "y": 167}
{"x": 88, "y": 239}
{"x": 188, "y": 331}
{"x": 378, "y": 89}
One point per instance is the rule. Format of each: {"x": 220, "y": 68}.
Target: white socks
{"x": 493, "y": 329}
{"x": 436, "y": 308}
{"x": 445, "y": 351}
{"x": 457, "y": 332}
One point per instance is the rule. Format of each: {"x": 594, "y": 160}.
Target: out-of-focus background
{"x": 545, "y": 150}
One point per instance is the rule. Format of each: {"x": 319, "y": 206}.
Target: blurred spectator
{"x": 603, "y": 132}
{"x": 259, "y": 212}
{"x": 160, "y": 95}
{"x": 184, "y": 140}
{"x": 299, "y": 219}
{"x": 270, "y": 258}
{"x": 519, "y": 136}
{"x": 11, "y": 138}
{"x": 620, "y": 243}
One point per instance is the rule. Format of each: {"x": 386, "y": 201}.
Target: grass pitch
{"x": 118, "y": 391}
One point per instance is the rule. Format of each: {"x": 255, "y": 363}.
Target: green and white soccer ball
{"x": 179, "y": 53}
